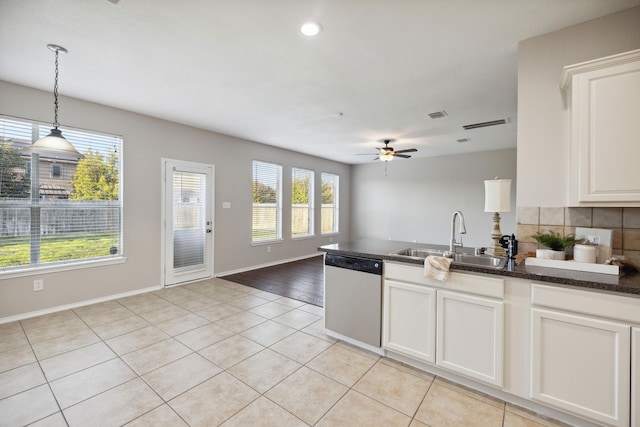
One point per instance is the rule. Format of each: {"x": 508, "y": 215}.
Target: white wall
{"x": 146, "y": 141}
{"x": 543, "y": 123}
{"x": 416, "y": 199}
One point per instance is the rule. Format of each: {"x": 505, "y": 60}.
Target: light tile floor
{"x": 217, "y": 353}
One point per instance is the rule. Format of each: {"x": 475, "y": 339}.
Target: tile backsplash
{"x": 625, "y": 223}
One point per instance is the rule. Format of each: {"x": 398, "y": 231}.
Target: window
{"x": 329, "y": 214}
{"x": 301, "y": 202}
{"x": 75, "y": 213}
{"x": 56, "y": 170}
{"x": 267, "y": 202}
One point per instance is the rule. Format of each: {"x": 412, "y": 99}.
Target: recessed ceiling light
{"x": 310, "y": 29}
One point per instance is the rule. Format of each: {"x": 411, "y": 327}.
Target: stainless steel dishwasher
{"x": 353, "y": 298}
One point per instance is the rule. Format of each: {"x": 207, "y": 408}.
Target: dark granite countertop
{"x": 626, "y": 282}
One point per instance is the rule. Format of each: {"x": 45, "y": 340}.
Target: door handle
{"x": 208, "y": 230}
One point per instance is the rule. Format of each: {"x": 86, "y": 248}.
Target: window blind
{"x": 267, "y": 202}
{"x": 189, "y": 219}
{"x": 76, "y": 211}
{"x": 330, "y": 211}
{"x": 301, "y": 202}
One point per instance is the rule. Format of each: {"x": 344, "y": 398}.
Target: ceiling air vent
{"x": 485, "y": 124}
{"x": 438, "y": 114}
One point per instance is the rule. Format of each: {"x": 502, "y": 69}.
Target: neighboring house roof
{"x": 47, "y": 190}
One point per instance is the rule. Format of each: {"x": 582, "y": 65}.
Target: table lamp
{"x": 497, "y": 198}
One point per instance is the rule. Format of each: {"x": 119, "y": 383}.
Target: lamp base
{"x": 496, "y": 234}
{"x": 496, "y": 250}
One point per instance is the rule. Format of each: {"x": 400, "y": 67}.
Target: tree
{"x": 327, "y": 193}
{"x": 96, "y": 178}
{"x": 300, "y": 191}
{"x": 14, "y": 181}
{"x": 263, "y": 193}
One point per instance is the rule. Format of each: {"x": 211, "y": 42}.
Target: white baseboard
{"x": 269, "y": 264}
{"x": 77, "y": 304}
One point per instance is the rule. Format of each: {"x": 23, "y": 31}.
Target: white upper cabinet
{"x": 603, "y": 97}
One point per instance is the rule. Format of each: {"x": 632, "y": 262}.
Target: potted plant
{"x": 556, "y": 244}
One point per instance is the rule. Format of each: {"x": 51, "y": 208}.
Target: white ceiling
{"x": 241, "y": 67}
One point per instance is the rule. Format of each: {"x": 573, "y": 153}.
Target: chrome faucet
{"x": 463, "y": 230}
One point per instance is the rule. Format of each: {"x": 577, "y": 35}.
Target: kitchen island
{"x": 562, "y": 343}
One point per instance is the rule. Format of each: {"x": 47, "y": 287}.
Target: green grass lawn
{"x": 58, "y": 249}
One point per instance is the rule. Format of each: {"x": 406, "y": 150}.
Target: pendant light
{"x": 55, "y": 144}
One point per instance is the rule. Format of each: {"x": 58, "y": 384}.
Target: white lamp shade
{"x": 497, "y": 195}
{"x": 54, "y": 145}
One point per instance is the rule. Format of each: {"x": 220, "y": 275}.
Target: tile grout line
{"x": 55, "y": 398}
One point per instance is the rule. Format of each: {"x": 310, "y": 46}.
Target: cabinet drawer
{"x": 492, "y": 287}
{"x": 587, "y": 302}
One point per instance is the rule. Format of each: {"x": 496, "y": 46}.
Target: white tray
{"x": 573, "y": 265}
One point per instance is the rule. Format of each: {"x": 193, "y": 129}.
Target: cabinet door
{"x": 635, "y": 376}
{"x": 581, "y": 364}
{"x": 470, "y": 336}
{"x": 605, "y": 133}
{"x": 409, "y": 318}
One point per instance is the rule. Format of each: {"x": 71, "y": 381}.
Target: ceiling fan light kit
{"x": 386, "y": 153}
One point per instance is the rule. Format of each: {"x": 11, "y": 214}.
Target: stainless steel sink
{"x": 417, "y": 253}
{"x": 486, "y": 261}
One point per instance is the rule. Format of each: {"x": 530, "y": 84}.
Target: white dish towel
{"x": 437, "y": 267}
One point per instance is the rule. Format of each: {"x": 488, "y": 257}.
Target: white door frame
{"x": 167, "y": 166}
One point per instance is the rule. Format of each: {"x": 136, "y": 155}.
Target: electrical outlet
{"x": 38, "y": 285}
{"x": 594, "y": 240}
{"x": 268, "y": 248}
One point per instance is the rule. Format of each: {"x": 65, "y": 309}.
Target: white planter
{"x": 549, "y": 254}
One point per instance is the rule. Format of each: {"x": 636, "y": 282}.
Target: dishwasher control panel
{"x": 365, "y": 265}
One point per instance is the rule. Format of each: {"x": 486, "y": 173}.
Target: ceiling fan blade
{"x": 377, "y": 158}
{"x": 408, "y": 150}
{"x": 404, "y": 156}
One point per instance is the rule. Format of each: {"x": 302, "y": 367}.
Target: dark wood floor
{"x": 301, "y": 280}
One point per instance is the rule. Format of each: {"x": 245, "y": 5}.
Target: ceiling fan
{"x": 386, "y": 153}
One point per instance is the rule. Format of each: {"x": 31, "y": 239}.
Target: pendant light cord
{"x": 55, "y": 96}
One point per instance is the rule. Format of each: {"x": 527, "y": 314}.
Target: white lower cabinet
{"x": 581, "y": 364}
{"x": 470, "y": 336}
{"x": 635, "y": 376}
{"x": 445, "y": 324}
{"x": 570, "y": 349}
{"x": 409, "y": 320}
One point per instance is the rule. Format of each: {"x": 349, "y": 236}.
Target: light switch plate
{"x": 226, "y": 205}
{"x": 603, "y": 238}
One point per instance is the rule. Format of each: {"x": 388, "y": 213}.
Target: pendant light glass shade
{"x": 54, "y": 144}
